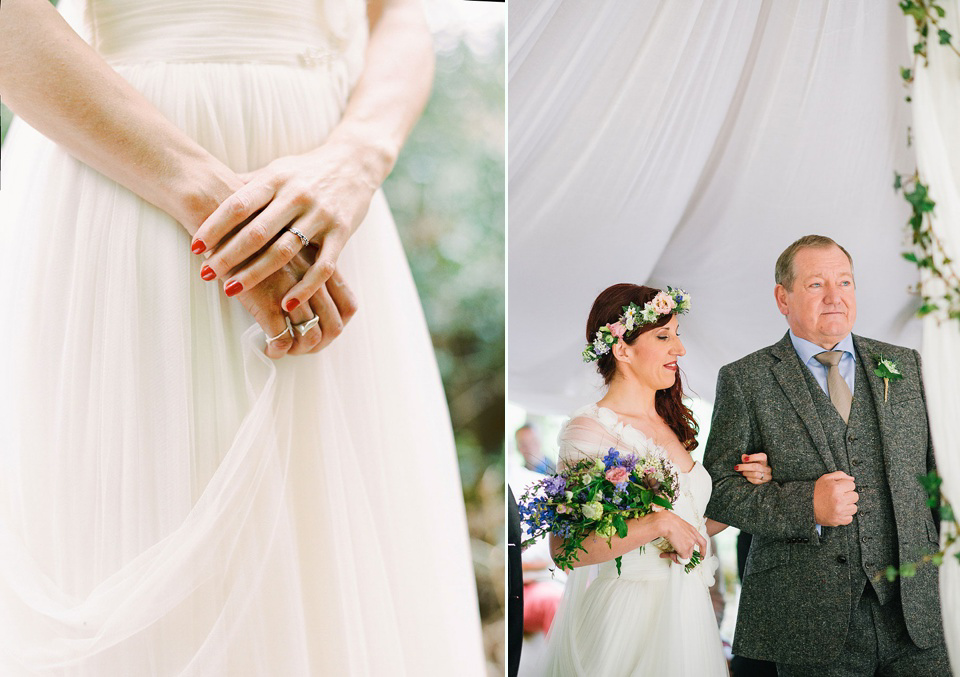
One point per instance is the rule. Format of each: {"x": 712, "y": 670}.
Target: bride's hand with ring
{"x": 755, "y": 468}
{"x": 313, "y": 325}
{"x": 322, "y": 195}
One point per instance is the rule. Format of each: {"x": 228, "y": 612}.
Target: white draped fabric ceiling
{"x": 688, "y": 142}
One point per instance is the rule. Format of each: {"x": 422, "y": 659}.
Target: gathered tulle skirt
{"x": 654, "y": 619}
{"x": 172, "y": 502}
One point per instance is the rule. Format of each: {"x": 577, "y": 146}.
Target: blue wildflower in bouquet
{"x": 598, "y": 496}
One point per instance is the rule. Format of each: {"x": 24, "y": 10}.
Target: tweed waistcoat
{"x": 858, "y": 451}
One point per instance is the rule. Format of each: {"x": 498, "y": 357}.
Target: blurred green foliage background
{"x": 447, "y": 195}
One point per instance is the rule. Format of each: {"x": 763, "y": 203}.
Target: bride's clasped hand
{"x": 319, "y": 197}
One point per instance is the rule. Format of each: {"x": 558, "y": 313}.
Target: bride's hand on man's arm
{"x": 325, "y": 193}
{"x": 755, "y": 468}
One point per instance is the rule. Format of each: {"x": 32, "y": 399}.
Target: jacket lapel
{"x": 789, "y": 374}
{"x": 867, "y": 352}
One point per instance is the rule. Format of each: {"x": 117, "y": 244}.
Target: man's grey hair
{"x": 783, "y": 273}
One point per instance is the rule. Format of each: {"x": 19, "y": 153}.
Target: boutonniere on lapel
{"x": 888, "y": 370}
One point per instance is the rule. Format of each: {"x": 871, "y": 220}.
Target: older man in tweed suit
{"x": 844, "y": 502}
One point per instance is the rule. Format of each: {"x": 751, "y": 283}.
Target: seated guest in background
{"x": 528, "y": 444}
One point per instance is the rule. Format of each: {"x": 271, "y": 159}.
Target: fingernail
{"x": 292, "y": 303}
{"x": 233, "y": 288}
{"x": 198, "y": 247}
{"x": 207, "y": 273}
{"x": 736, "y": 467}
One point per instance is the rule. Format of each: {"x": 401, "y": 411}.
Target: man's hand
{"x": 834, "y": 499}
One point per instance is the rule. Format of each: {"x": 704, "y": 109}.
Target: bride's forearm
{"x": 714, "y": 527}
{"x": 640, "y": 531}
{"x": 393, "y": 89}
{"x": 64, "y": 89}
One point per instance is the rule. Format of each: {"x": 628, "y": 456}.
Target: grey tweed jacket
{"x": 797, "y": 591}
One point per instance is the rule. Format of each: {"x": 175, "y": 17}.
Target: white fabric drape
{"x": 688, "y": 143}
{"x": 936, "y": 110}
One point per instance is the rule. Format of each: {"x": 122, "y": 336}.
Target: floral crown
{"x": 673, "y": 300}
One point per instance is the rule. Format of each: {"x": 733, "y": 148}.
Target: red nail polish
{"x": 292, "y": 303}
{"x": 198, "y": 247}
{"x": 736, "y": 467}
{"x": 207, "y": 273}
{"x": 233, "y": 288}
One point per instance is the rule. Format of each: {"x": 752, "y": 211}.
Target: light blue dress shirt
{"x": 848, "y": 364}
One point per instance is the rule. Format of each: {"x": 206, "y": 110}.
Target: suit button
{"x": 864, "y": 513}
{"x": 864, "y": 539}
{"x": 855, "y": 461}
{"x": 841, "y": 559}
{"x": 852, "y": 438}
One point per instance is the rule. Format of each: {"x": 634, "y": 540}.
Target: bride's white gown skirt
{"x": 172, "y": 502}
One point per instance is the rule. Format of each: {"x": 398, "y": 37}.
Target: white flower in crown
{"x": 672, "y": 300}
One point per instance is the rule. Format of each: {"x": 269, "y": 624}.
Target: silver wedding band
{"x": 304, "y": 240}
{"x": 304, "y": 327}
{"x": 288, "y": 330}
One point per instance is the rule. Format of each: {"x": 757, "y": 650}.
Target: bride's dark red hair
{"x": 607, "y": 309}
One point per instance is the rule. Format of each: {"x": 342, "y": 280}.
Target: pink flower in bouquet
{"x": 617, "y": 475}
{"x": 663, "y": 303}
{"x": 617, "y": 329}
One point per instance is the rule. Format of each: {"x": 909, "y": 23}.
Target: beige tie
{"x": 836, "y": 386}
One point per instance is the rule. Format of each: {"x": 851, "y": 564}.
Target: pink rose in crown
{"x": 617, "y": 475}
{"x": 663, "y": 303}
{"x": 617, "y": 329}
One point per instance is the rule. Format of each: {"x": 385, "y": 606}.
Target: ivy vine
{"x": 929, "y": 254}
{"x": 927, "y": 251}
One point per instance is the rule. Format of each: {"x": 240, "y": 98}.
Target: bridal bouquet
{"x": 599, "y": 496}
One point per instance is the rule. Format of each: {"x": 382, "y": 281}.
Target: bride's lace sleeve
{"x": 583, "y": 437}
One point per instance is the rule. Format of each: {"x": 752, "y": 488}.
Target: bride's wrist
{"x": 371, "y": 153}
{"x": 199, "y": 191}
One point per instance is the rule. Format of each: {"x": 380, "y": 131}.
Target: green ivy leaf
{"x": 946, "y": 513}
{"x": 662, "y": 502}
{"x": 620, "y": 525}
{"x": 897, "y": 181}
{"x": 910, "y": 256}
{"x": 905, "y": 73}
{"x": 939, "y": 10}
{"x": 908, "y": 570}
{"x": 937, "y": 558}
{"x": 891, "y": 573}
{"x": 944, "y": 37}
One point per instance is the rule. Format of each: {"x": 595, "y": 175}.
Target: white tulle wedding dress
{"x": 172, "y": 502}
{"x": 653, "y": 619}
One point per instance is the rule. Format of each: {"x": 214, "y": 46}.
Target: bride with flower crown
{"x": 653, "y": 618}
